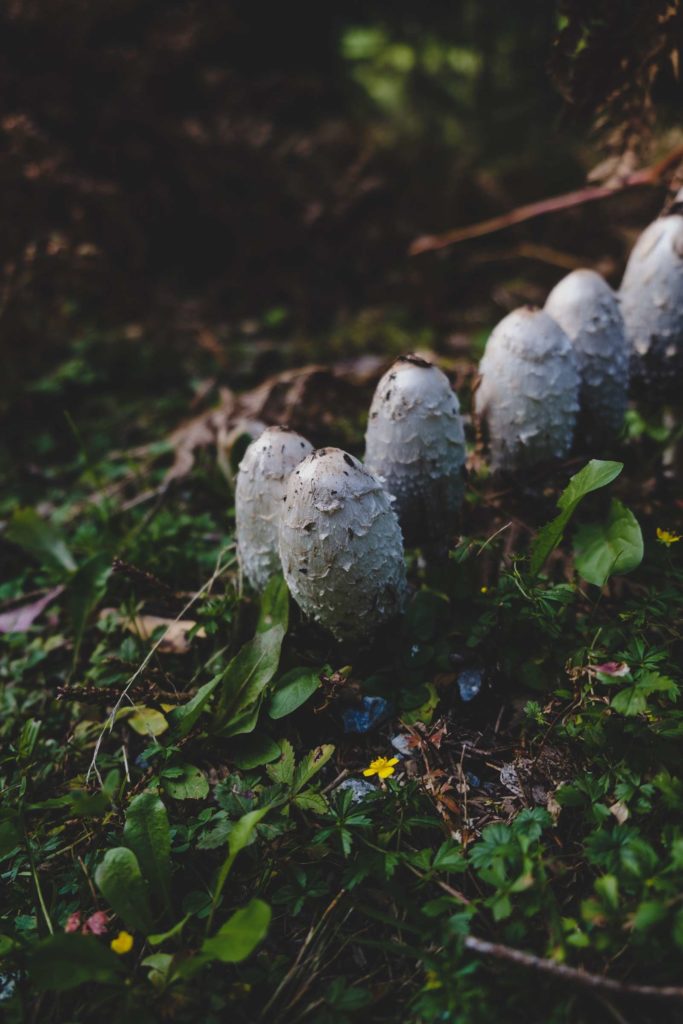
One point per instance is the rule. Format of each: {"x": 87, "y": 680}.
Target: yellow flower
{"x": 432, "y": 980}
{"x": 123, "y": 943}
{"x": 666, "y": 537}
{"x": 382, "y": 766}
{"x": 483, "y": 590}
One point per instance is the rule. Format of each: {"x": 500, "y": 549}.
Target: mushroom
{"x": 340, "y": 545}
{"x": 259, "y": 495}
{"x": 415, "y": 444}
{"x": 652, "y": 305}
{"x": 587, "y": 310}
{"x": 527, "y": 396}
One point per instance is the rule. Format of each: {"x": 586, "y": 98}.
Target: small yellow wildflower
{"x": 432, "y": 980}
{"x": 666, "y": 537}
{"x": 123, "y": 943}
{"x": 382, "y": 766}
{"x": 483, "y": 590}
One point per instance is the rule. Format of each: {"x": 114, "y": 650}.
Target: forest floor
{"x": 187, "y": 829}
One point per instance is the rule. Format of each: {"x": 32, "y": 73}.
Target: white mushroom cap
{"x": 259, "y": 499}
{"x": 587, "y": 310}
{"x": 341, "y": 546}
{"x": 528, "y": 392}
{"x": 415, "y": 444}
{"x": 652, "y": 303}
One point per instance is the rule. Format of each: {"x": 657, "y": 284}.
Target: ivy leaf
{"x": 604, "y": 549}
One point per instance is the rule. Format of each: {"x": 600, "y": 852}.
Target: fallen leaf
{"x": 20, "y": 619}
{"x": 175, "y": 639}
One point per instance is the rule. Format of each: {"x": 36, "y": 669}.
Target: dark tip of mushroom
{"x": 414, "y": 360}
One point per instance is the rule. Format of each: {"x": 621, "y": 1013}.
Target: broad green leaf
{"x": 604, "y": 549}
{"x": 40, "y": 539}
{"x": 240, "y": 935}
{"x": 243, "y": 721}
{"x": 274, "y": 606}
{"x": 248, "y": 674}
{"x": 292, "y": 691}
{"x": 190, "y": 784}
{"x": 147, "y": 721}
{"x": 283, "y": 770}
{"x": 65, "y": 961}
{"x": 592, "y": 477}
{"x": 630, "y": 701}
{"x": 182, "y": 719}
{"x": 240, "y": 836}
{"x": 252, "y": 751}
{"x": 148, "y": 835}
{"x": 310, "y": 765}
{"x": 160, "y": 937}
{"x": 119, "y": 879}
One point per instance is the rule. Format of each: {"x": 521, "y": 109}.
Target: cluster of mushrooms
{"x": 336, "y": 527}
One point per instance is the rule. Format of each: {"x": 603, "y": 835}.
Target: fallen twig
{"x": 651, "y": 175}
{"x": 573, "y": 975}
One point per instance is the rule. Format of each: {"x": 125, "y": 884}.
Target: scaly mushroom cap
{"x": 652, "y": 304}
{"x": 415, "y": 444}
{"x": 528, "y": 392}
{"x": 587, "y": 310}
{"x": 341, "y": 546}
{"x": 259, "y": 499}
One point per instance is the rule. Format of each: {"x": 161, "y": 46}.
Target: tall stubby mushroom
{"x": 415, "y": 444}
{"x": 587, "y": 310}
{"x": 341, "y": 546}
{"x": 528, "y": 393}
{"x": 652, "y": 305}
{"x": 259, "y": 499}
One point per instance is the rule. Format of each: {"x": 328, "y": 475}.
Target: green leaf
{"x": 160, "y": 937}
{"x": 292, "y": 691}
{"x": 85, "y": 590}
{"x": 603, "y": 549}
{"x": 147, "y": 721}
{"x": 629, "y": 702}
{"x": 248, "y": 674}
{"x": 40, "y": 539}
{"x": 147, "y": 833}
{"x": 64, "y": 961}
{"x": 274, "y": 606}
{"x": 240, "y": 935}
{"x": 283, "y": 771}
{"x": 240, "y": 836}
{"x": 252, "y": 751}
{"x": 10, "y": 838}
{"x": 119, "y": 879}
{"x": 310, "y": 765}
{"x": 28, "y": 739}
{"x": 592, "y": 477}
{"x": 190, "y": 784}
{"x": 183, "y": 718}
{"x": 309, "y": 800}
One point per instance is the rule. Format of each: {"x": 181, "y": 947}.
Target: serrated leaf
{"x": 147, "y": 833}
{"x": 65, "y": 961}
{"x": 629, "y": 702}
{"x": 309, "y": 800}
{"x": 247, "y": 675}
{"x": 310, "y": 765}
{"x": 119, "y": 879}
{"x": 240, "y": 935}
{"x": 283, "y": 770}
{"x": 594, "y": 475}
{"x": 292, "y": 691}
{"x": 190, "y": 784}
{"x": 606, "y": 549}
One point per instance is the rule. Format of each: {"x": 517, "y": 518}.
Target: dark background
{"x": 197, "y": 178}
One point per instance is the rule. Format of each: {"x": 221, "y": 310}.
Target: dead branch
{"x": 573, "y": 975}
{"x": 652, "y": 175}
